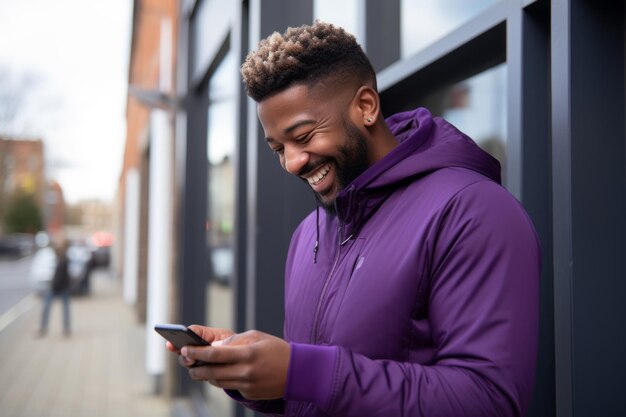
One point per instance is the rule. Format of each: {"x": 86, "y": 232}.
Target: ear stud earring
{"x": 369, "y": 120}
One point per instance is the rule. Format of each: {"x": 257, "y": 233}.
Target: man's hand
{"x": 253, "y": 363}
{"x": 210, "y": 334}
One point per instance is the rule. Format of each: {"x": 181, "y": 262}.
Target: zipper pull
{"x": 346, "y": 241}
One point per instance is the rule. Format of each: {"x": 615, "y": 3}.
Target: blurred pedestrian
{"x": 59, "y": 287}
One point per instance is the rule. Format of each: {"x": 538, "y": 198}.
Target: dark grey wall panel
{"x": 589, "y": 198}
{"x": 193, "y": 264}
{"x": 529, "y": 69}
{"x": 598, "y": 207}
{"x": 382, "y": 32}
{"x": 561, "y": 204}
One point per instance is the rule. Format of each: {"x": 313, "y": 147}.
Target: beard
{"x": 353, "y": 160}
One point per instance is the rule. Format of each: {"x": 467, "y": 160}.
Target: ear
{"x": 366, "y": 107}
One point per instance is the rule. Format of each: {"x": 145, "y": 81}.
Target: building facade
{"x": 145, "y": 205}
{"x": 539, "y": 84}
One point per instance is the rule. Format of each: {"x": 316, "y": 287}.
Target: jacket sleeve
{"x": 483, "y": 313}
{"x": 267, "y": 407}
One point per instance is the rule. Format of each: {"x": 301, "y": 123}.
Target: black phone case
{"x": 180, "y": 336}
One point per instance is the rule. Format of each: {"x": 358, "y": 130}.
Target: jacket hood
{"x": 426, "y": 144}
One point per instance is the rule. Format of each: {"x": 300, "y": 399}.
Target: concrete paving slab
{"x": 98, "y": 371}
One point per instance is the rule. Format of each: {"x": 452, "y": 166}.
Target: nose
{"x": 294, "y": 159}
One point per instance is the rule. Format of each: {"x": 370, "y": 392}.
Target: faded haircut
{"x": 306, "y": 55}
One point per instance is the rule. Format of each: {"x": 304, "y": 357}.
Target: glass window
{"x": 477, "y": 106}
{"x": 343, "y": 13}
{"x": 211, "y": 22}
{"x": 221, "y": 141}
{"x": 425, "y": 21}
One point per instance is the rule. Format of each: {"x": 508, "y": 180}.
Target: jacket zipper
{"x": 340, "y": 244}
{"x": 325, "y": 287}
{"x": 319, "y": 305}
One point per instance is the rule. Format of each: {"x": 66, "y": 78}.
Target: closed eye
{"x": 303, "y": 139}
{"x": 275, "y": 147}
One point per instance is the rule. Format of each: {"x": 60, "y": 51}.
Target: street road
{"x": 14, "y": 281}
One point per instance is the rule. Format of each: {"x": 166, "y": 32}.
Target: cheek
{"x": 327, "y": 145}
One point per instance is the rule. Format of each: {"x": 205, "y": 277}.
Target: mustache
{"x": 312, "y": 166}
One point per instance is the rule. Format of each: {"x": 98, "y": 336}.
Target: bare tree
{"x": 27, "y": 108}
{"x": 14, "y": 94}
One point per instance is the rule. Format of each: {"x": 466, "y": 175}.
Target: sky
{"x": 78, "y": 52}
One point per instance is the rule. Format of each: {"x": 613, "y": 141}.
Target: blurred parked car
{"x": 101, "y": 251}
{"x": 80, "y": 266}
{"x": 101, "y": 255}
{"x": 17, "y": 244}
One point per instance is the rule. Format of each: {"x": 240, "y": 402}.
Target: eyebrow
{"x": 298, "y": 124}
{"x": 293, "y": 127}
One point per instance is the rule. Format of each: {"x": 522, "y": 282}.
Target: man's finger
{"x": 169, "y": 346}
{"x": 245, "y": 338}
{"x": 186, "y": 362}
{"x": 210, "y": 334}
{"x": 220, "y": 372}
{"x": 232, "y": 385}
{"x": 217, "y": 354}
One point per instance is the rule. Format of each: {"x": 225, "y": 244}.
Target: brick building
{"x": 145, "y": 201}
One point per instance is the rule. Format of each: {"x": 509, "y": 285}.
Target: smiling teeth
{"x": 319, "y": 175}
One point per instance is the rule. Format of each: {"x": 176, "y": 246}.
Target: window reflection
{"x": 343, "y": 13}
{"x": 425, "y": 21}
{"x": 221, "y": 141}
{"x": 220, "y": 152}
{"x": 477, "y": 106}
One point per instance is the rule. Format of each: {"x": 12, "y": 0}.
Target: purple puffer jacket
{"x": 423, "y": 300}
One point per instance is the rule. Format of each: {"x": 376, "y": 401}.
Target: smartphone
{"x": 180, "y": 336}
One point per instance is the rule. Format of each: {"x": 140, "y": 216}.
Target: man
{"x": 59, "y": 287}
{"x": 414, "y": 290}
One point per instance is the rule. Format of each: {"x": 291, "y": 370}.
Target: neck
{"x": 382, "y": 140}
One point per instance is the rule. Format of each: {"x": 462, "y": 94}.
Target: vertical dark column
{"x": 382, "y": 32}
{"x": 561, "y": 205}
{"x": 192, "y": 260}
{"x": 598, "y": 207}
{"x": 589, "y": 156}
{"x": 241, "y": 175}
{"x": 241, "y": 228}
{"x": 192, "y": 251}
{"x": 528, "y": 39}
{"x": 278, "y": 201}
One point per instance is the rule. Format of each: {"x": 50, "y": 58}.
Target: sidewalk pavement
{"x": 98, "y": 371}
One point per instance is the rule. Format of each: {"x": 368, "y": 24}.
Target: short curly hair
{"x": 305, "y": 54}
